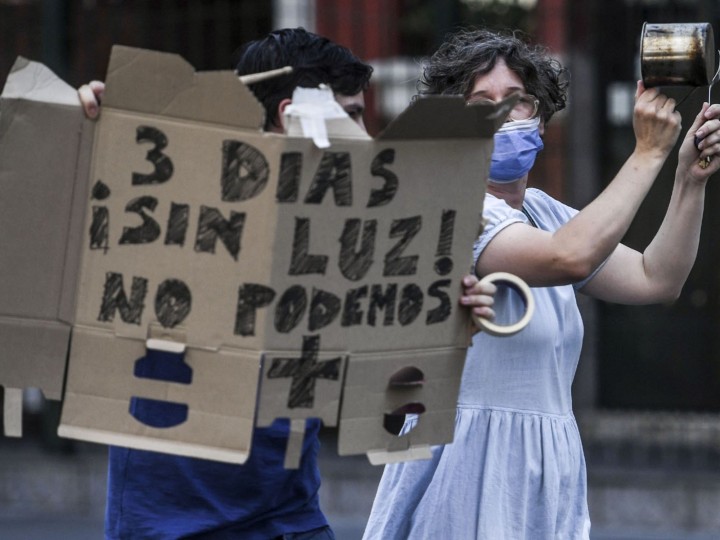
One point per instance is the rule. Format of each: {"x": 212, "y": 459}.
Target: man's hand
{"x": 91, "y": 95}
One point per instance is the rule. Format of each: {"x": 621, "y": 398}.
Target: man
{"x": 159, "y": 496}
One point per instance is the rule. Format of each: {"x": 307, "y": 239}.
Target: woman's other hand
{"x": 700, "y": 161}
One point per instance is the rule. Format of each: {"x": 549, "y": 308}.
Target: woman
{"x": 516, "y": 469}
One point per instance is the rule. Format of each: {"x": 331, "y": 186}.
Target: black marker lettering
{"x": 173, "y": 302}
{"x": 177, "y": 224}
{"x": 352, "y": 314}
{"x": 100, "y": 191}
{"x": 380, "y": 300}
{"x": 290, "y": 309}
{"x": 355, "y": 264}
{"x": 406, "y": 229}
{"x": 99, "y": 228}
{"x": 251, "y": 297}
{"x": 302, "y": 262}
{"x": 304, "y": 372}
{"x": 442, "y": 312}
{"x": 324, "y": 307}
{"x": 245, "y": 171}
{"x": 411, "y": 302}
{"x": 444, "y": 265}
{"x": 384, "y": 195}
{"x": 149, "y": 231}
{"x": 212, "y": 225}
{"x": 163, "y": 165}
{"x": 289, "y": 178}
{"x": 334, "y": 171}
{"x": 114, "y": 299}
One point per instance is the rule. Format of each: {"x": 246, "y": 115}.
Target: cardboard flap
{"x": 447, "y": 117}
{"x": 35, "y": 82}
{"x": 199, "y": 403}
{"x": 380, "y": 389}
{"x": 162, "y": 83}
{"x": 43, "y": 172}
{"x": 42, "y": 200}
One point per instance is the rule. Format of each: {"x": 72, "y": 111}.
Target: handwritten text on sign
{"x": 245, "y": 173}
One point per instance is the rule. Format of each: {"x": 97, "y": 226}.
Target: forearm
{"x": 592, "y": 235}
{"x": 669, "y": 257}
{"x": 596, "y": 231}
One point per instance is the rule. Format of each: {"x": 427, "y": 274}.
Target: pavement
{"x": 55, "y": 490}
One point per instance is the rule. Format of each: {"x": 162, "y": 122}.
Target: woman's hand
{"x": 655, "y": 121}
{"x": 91, "y": 95}
{"x": 478, "y": 297}
{"x": 701, "y": 161}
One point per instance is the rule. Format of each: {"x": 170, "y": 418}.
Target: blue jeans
{"x": 323, "y": 533}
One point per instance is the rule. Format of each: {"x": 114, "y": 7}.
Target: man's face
{"x": 354, "y": 105}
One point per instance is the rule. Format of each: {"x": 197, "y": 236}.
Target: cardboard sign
{"x": 275, "y": 279}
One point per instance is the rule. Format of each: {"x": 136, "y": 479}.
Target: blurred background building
{"x": 647, "y": 393}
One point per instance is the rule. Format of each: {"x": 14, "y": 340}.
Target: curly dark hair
{"x": 469, "y": 53}
{"x": 315, "y": 60}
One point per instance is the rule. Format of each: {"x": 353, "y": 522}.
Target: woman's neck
{"x": 512, "y": 193}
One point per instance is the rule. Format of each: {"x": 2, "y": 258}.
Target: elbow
{"x": 575, "y": 269}
{"x": 663, "y": 292}
{"x": 666, "y": 287}
{"x": 574, "y": 263}
{"x": 582, "y": 272}
{"x": 669, "y": 294}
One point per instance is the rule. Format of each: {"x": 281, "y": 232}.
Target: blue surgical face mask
{"x": 516, "y": 146}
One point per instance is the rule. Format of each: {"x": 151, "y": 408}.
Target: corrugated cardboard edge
{"x": 153, "y": 445}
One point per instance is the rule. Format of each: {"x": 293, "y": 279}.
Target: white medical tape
{"x": 520, "y": 287}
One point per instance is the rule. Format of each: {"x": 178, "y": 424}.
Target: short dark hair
{"x": 315, "y": 60}
{"x": 469, "y": 53}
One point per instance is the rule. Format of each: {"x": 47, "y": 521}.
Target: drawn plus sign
{"x": 304, "y": 372}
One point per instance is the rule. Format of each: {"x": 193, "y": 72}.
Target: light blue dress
{"x": 516, "y": 469}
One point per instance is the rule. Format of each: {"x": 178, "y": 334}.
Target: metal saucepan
{"x": 677, "y": 54}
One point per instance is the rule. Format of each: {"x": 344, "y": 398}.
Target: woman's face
{"x": 497, "y": 84}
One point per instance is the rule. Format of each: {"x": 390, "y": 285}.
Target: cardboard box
{"x": 284, "y": 280}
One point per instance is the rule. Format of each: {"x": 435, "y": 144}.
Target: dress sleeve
{"x": 552, "y": 215}
{"x": 564, "y": 213}
{"x": 497, "y": 215}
